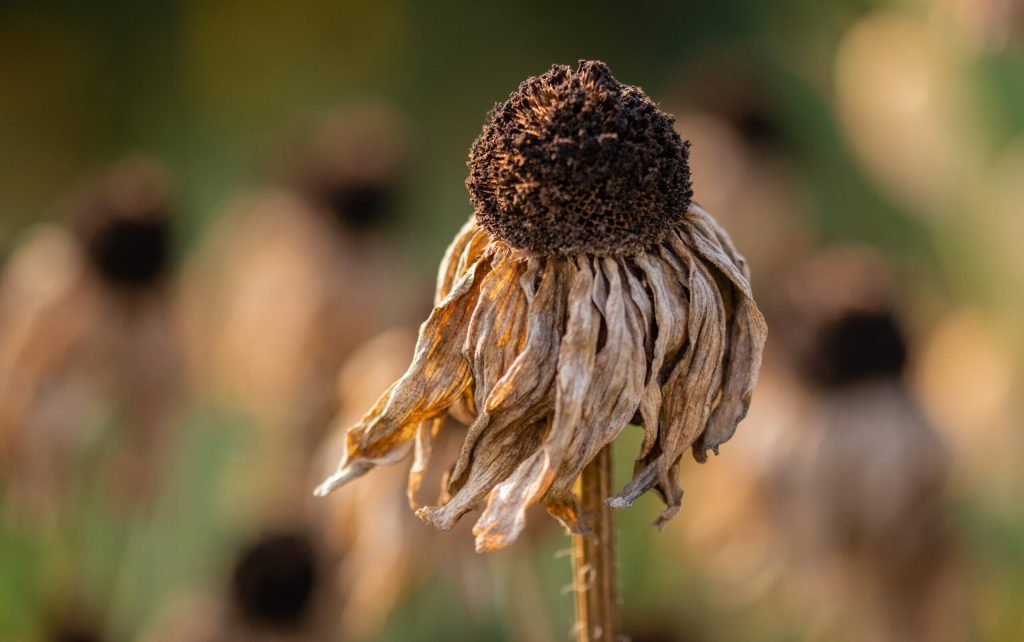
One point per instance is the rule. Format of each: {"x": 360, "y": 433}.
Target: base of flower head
{"x": 553, "y": 356}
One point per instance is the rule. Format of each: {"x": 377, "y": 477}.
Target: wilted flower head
{"x": 587, "y": 290}
{"x": 87, "y": 324}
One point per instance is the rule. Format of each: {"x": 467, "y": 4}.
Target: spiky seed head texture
{"x": 576, "y": 162}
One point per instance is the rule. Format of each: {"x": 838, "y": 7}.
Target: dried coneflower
{"x": 587, "y": 290}
{"x": 87, "y": 327}
{"x": 874, "y": 517}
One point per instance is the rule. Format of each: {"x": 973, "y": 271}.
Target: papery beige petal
{"x": 690, "y": 392}
{"x": 700, "y": 217}
{"x": 447, "y": 272}
{"x": 671, "y": 492}
{"x": 698, "y": 236}
{"x": 747, "y": 333}
{"x": 617, "y": 384}
{"x": 438, "y": 374}
{"x": 544, "y": 285}
{"x": 425, "y": 433}
{"x": 505, "y": 514}
{"x": 512, "y": 424}
{"x": 671, "y": 303}
{"x": 644, "y": 479}
{"x": 479, "y": 242}
{"x": 640, "y": 298}
{"x": 524, "y": 393}
{"x": 496, "y": 456}
{"x": 495, "y": 334}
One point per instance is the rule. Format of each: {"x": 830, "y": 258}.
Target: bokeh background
{"x": 296, "y": 171}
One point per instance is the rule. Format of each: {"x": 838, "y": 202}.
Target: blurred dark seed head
{"x": 351, "y": 165}
{"x": 124, "y": 224}
{"x": 73, "y": 626}
{"x": 576, "y": 162}
{"x": 358, "y": 207}
{"x": 732, "y": 87}
{"x": 75, "y": 635}
{"x": 856, "y": 346}
{"x": 838, "y": 320}
{"x": 275, "y": 581}
{"x": 756, "y": 124}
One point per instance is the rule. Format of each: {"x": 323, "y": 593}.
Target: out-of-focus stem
{"x": 597, "y": 612}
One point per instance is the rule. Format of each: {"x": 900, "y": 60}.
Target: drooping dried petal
{"x": 671, "y": 309}
{"x": 495, "y": 331}
{"x": 505, "y": 514}
{"x": 747, "y": 334}
{"x": 524, "y": 393}
{"x": 496, "y": 456}
{"x": 551, "y": 356}
{"x": 425, "y": 433}
{"x": 447, "y": 272}
{"x": 464, "y": 251}
{"x": 618, "y": 380}
{"x": 709, "y": 389}
{"x": 438, "y": 374}
{"x": 512, "y": 422}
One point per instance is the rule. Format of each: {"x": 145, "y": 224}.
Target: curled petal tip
{"x": 618, "y": 502}
{"x": 325, "y": 488}
{"x": 437, "y": 517}
{"x": 667, "y": 515}
{"x": 339, "y": 478}
{"x": 490, "y": 542}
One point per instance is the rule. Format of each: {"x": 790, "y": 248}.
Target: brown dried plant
{"x": 588, "y": 291}
{"x": 87, "y": 332}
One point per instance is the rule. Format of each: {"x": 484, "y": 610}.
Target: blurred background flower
{"x": 309, "y": 160}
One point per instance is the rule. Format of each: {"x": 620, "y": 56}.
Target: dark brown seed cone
{"x": 856, "y": 346}
{"x": 575, "y": 162}
{"x": 274, "y": 581}
{"x": 123, "y": 221}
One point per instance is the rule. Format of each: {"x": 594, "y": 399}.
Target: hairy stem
{"x": 597, "y": 609}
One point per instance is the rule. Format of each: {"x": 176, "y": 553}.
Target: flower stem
{"x": 597, "y": 609}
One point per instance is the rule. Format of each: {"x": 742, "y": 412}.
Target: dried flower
{"x": 587, "y": 290}
{"x": 87, "y": 318}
